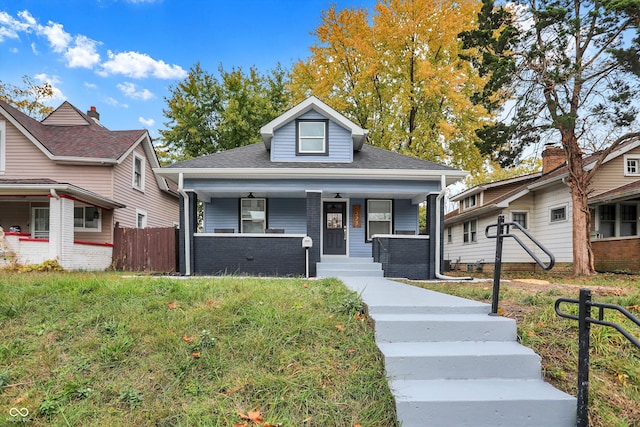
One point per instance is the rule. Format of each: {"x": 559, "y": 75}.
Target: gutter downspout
{"x": 187, "y": 225}
{"x": 443, "y": 189}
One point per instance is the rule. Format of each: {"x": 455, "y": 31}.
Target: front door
{"x": 335, "y": 225}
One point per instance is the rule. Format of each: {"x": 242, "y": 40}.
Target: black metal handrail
{"x": 499, "y": 236}
{"x": 584, "y": 329}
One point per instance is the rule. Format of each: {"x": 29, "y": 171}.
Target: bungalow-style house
{"x": 541, "y": 203}
{"x": 312, "y": 182}
{"x": 67, "y": 180}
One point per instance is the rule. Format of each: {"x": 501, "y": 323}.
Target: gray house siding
{"x": 283, "y": 143}
{"x": 286, "y": 214}
{"x": 405, "y": 216}
{"x": 358, "y": 248}
{"x": 221, "y": 213}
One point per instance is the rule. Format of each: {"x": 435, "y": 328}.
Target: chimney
{"x": 552, "y": 157}
{"x": 93, "y": 113}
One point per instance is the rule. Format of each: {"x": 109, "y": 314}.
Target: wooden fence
{"x": 145, "y": 249}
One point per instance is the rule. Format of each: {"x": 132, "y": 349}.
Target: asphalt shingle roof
{"x": 88, "y": 141}
{"x": 256, "y": 156}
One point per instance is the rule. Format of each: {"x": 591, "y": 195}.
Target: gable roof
{"x": 358, "y": 134}
{"x": 254, "y": 160}
{"x": 89, "y": 142}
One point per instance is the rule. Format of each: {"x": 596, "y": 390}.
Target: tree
{"x": 399, "y": 75}
{"x": 29, "y": 98}
{"x": 206, "y": 114}
{"x": 572, "y": 69}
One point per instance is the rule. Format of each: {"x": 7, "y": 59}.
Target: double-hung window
{"x": 470, "y": 201}
{"x": 379, "y": 217}
{"x": 86, "y": 218}
{"x": 141, "y": 219}
{"x": 470, "y": 233}
{"x": 138, "y": 172}
{"x": 253, "y": 215}
{"x": 312, "y": 137}
{"x": 40, "y": 221}
{"x": 628, "y": 220}
{"x": 607, "y": 220}
{"x": 520, "y": 218}
{"x": 632, "y": 165}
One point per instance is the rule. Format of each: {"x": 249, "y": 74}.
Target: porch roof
{"x": 45, "y": 187}
{"x": 619, "y": 194}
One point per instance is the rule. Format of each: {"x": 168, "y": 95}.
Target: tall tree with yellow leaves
{"x": 399, "y": 75}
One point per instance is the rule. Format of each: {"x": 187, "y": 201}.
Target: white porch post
{"x": 61, "y": 230}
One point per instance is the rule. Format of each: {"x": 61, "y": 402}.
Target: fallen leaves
{"x": 187, "y": 339}
{"x": 172, "y": 305}
{"x": 340, "y": 328}
{"x": 253, "y": 417}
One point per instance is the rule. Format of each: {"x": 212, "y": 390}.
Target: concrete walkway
{"x": 451, "y": 364}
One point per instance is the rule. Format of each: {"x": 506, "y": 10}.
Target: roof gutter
{"x": 439, "y": 200}
{"x": 187, "y": 225}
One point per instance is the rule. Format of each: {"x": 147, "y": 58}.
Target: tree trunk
{"x": 579, "y": 186}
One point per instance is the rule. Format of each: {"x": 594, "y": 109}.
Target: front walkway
{"x": 451, "y": 364}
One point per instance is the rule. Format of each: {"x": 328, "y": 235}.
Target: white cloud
{"x": 146, "y": 122}
{"x": 58, "y": 38}
{"x": 11, "y": 27}
{"x": 34, "y": 49}
{"x": 84, "y": 54}
{"x": 114, "y": 103}
{"x": 14, "y": 50}
{"x": 131, "y": 91}
{"x": 90, "y": 85}
{"x": 140, "y": 65}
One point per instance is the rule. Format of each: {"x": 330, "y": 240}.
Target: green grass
{"x": 614, "y": 392}
{"x": 80, "y": 349}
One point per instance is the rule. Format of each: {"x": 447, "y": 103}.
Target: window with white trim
{"x": 628, "y": 220}
{"x": 141, "y": 219}
{"x": 607, "y": 220}
{"x": 379, "y": 217}
{"x": 138, "y": 172}
{"x": 558, "y": 214}
{"x": 87, "y": 218}
{"x": 521, "y": 218}
{"x": 3, "y": 146}
{"x": 312, "y": 137}
{"x": 470, "y": 201}
{"x": 469, "y": 229}
{"x": 253, "y": 215}
{"x": 632, "y": 165}
{"x": 40, "y": 222}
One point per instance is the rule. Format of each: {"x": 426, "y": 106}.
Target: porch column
{"x": 434, "y": 229}
{"x": 314, "y": 215}
{"x": 188, "y": 224}
{"x": 61, "y": 230}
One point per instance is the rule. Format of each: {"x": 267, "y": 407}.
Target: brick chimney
{"x": 93, "y": 113}
{"x": 552, "y": 157}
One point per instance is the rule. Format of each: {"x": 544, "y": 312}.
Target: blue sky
{"x": 121, "y": 56}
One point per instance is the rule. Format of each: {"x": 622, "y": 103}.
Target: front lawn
{"x": 81, "y": 349}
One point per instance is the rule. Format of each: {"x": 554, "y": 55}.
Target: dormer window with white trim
{"x": 312, "y": 137}
{"x": 470, "y": 201}
{"x": 632, "y": 165}
{"x": 138, "y": 172}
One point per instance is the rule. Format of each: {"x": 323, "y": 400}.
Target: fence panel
{"x": 145, "y": 249}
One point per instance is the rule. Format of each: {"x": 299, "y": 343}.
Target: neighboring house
{"x": 541, "y": 203}
{"x": 312, "y": 177}
{"x": 66, "y": 181}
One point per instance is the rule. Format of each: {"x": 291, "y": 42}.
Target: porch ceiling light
{"x": 251, "y": 196}
{"x": 338, "y": 196}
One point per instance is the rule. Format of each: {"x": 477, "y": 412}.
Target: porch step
{"x": 419, "y": 327}
{"x": 459, "y": 360}
{"x": 351, "y": 267}
{"x": 482, "y": 402}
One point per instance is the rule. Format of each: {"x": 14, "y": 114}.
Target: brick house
{"x": 67, "y": 180}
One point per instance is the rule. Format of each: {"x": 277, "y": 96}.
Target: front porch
{"x": 340, "y": 230}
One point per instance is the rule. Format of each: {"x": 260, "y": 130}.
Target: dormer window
{"x": 632, "y": 165}
{"x": 470, "y": 201}
{"x": 312, "y": 137}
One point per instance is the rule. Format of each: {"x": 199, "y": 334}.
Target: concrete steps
{"x": 350, "y": 267}
{"x": 450, "y": 363}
